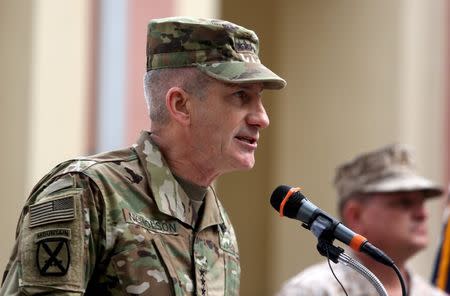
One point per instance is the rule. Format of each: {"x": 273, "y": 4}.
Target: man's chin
{"x": 419, "y": 244}
{"x": 245, "y": 163}
{"x": 246, "y": 167}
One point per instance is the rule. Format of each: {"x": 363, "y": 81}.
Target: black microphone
{"x": 290, "y": 202}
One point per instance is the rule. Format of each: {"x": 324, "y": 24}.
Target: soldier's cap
{"x": 220, "y": 49}
{"x": 386, "y": 170}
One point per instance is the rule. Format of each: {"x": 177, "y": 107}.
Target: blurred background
{"x": 361, "y": 74}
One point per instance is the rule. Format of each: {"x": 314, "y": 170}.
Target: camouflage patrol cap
{"x": 389, "y": 169}
{"x": 220, "y": 49}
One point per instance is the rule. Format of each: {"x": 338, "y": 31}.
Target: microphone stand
{"x": 322, "y": 228}
{"x": 336, "y": 254}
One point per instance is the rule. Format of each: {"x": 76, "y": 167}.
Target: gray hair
{"x": 158, "y": 82}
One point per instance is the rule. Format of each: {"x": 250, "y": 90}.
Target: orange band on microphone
{"x": 285, "y": 199}
{"x": 357, "y": 242}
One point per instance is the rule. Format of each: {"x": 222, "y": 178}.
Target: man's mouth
{"x": 249, "y": 140}
{"x": 246, "y": 139}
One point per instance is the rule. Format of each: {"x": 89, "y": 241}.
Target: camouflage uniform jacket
{"x": 317, "y": 280}
{"x": 118, "y": 223}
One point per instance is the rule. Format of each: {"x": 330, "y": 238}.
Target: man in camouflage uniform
{"x": 382, "y": 198}
{"x": 145, "y": 220}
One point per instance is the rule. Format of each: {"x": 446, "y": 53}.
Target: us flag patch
{"x": 58, "y": 210}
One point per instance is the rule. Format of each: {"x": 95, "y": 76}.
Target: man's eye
{"x": 242, "y": 95}
{"x": 402, "y": 204}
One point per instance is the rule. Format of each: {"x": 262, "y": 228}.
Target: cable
{"x": 402, "y": 281}
{"x": 332, "y": 271}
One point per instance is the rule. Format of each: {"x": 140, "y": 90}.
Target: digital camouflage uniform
{"x": 317, "y": 280}
{"x": 118, "y": 223}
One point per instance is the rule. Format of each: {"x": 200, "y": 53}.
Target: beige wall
{"x": 58, "y": 94}
{"x": 423, "y": 100}
{"x": 15, "y": 39}
{"x": 43, "y": 97}
{"x": 360, "y": 74}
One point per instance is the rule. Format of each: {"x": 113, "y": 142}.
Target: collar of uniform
{"x": 169, "y": 196}
{"x": 211, "y": 214}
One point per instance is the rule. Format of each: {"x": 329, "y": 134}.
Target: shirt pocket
{"x": 146, "y": 269}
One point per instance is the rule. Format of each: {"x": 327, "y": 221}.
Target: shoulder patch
{"x": 57, "y": 210}
{"x": 53, "y": 233}
{"x": 54, "y": 247}
{"x": 53, "y": 256}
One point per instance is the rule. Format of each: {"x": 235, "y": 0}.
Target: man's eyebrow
{"x": 246, "y": 86}
{"x": 233, "y": 85}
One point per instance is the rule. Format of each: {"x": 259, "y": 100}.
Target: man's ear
{"x": 178, "y": 105}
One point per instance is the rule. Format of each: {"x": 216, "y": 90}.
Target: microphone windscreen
{"x": 278, "y": 195}
{"x": 291, "y": 206}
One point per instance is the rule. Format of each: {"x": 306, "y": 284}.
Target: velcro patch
{"x": 57, "y": 210}
{"x": 51, "y": 250}
{"x": 154, "y": 225}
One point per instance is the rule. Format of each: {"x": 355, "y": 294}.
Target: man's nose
{"x": 258, "y": 116}
{"x": 420, "y": 211}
